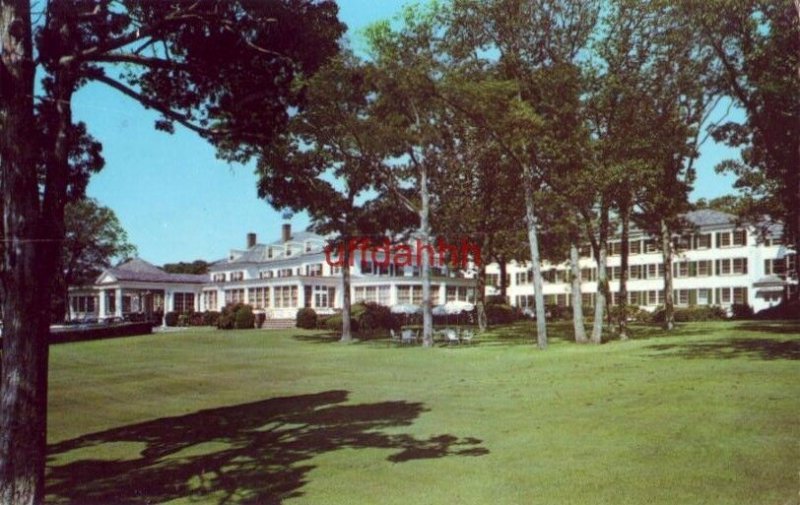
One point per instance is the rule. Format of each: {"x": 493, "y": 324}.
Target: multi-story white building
{"x": 718, "y": 263}
{"x": 277, "y": 278}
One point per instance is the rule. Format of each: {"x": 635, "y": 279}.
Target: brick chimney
{"x": 286, "y": 232}
{"x": 251, "y": 240}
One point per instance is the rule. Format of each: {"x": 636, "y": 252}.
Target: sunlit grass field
{"x": 709, "y": 415}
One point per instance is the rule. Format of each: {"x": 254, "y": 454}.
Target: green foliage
{"x": 500, "y": 313}
{"x": 741, "y": 311}
{"x": 195, "y": 267}
{"x": 372, "y": 316}
{"x": 171, "y": 318}
{"x": 307, "y": 318}
{"x": 236, "y": 316}
{"x": 694, "y": 313}
{"x": 210, "y": 318}
{"x": 334, "y": 323}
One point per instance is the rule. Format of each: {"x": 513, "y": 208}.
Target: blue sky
{"x": 178, "y": 202}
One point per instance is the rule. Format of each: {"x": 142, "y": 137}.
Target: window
{"x": 404, "y": 294}
{"x": 652, "y": 246}
{"x": 655, "y": 271}
{"x": 654, "y": 297}
{"x": 614, "y": 248}
{"x": 636, "y": 271}
{"x": 724, "y": 239}
{"x": 218, "y": 277}
{"x": 314, "y": 270}
{"x": 237, "y": 276}
{"x": 210, "y": 299}
{"x": 588, "y": 274}
{"x": 740, "y": 266}
{"x": 635, "y": 247}
{"x": 740, "y": 295}
{"x": 493, "y": 280}
{"x": 324, "y": 296}
{"x": 265, "y": 274}
{"x": 681, "y": 296}
{"x": 285, "y": 296}
{"x": 234, "y": 296}
{"x": 704, "y": 268}
{"x": 366, "y": 267}
{"x": 703, "y": 297}
{"x": 285, "y": 272}
{"x": 635, "y": 298}
{"x": 703, "y": 241}
{"x": 287, "y": 251}
{"x": 680, "y": 269}
{"x": 740, "y": 238}
{"x": 587, "y": 299}
{"x": 258, "y": 297}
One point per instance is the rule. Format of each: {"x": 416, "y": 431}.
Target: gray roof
{"x": 709, "y": 217}
{"x": 258, "y": 253}
{"x": 139, "y": 270}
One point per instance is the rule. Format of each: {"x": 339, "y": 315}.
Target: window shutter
{"x": 744, "y": 265}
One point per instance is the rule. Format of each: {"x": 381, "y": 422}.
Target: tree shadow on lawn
{"x": 249, "y": 453}
{"x": 782, "y": 327}
{"x": 768, "y": 349}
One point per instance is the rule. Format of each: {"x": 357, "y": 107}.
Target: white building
{"x": 277, "y": 278}
{"x": 717, "y": 264}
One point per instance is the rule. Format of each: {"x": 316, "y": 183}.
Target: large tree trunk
{"x": 480, "y": 290}
{"x": 26, "y": 282}
{"x": 425, "y": 235}
{"x": 347, "y": 331}
{"x": 601, "y": 297}
{"x": 666, "y": 254}
{"x": 503, "y": 275}
{"x": 623, "y": 274}
{"x": 577, "y": 298}
{"x": 533, "y": 239}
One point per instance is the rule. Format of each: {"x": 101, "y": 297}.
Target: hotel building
{"x": 717, "y": 263}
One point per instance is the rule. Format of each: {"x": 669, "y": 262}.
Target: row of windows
{"x": 375, "y": 294}
{"x": 702, "y": 268}
{"x": 723, "y": 239}
{"x": 681, "y": 297}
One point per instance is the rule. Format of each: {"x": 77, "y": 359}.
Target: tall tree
{"x": 757, "y": 44}
{"x": 93, "y": 239}
{"x": 530, "y": 44}
{"x": 217, "y": 68}
{"x": 327, "y": 163}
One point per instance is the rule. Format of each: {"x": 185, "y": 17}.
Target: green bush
{"x": 239, "y": 316}
{"x": 307, "y": 318}
{"x": 183, "y": 320}
{"x": 373, "y": 316}
{"x": 741, "y": 311}
{"x": 334, "y": 323}
{"x": 210, "y": 318}
{"x": 245, "y": 319}
{"x": 171, "y": 319}
{"x": 688, "y": 314}
{"x": 500, "y": 314}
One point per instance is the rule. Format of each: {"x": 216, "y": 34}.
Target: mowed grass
{"x": 707, "y": 416}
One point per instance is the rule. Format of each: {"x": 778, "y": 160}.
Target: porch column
{"x": 168, "y": 304}
{"x": 118, "y": 302}
{"x": 442, "y": 293}
{"x": 197, "y": 296}
{"x": 393, "y": 295}
{"x": 101, "y": 304}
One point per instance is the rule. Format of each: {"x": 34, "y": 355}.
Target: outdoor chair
{"x": 467, "y": 336}
{"x": 452, "y": 336}
{"x": 395, "y": 337}
{"x": 408, "y": 337}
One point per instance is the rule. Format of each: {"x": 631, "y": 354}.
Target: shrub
{"x": 374, "y": 316}
{"x": 688, "y": 314}
{"x": 171, "y": 319}
{"x": 786, "y": 310}
{"x": 500, "y": 314}
{"x": 210, "y": 318}
{"x": 239, "y": 316}
{"x": 183, "y": 320}
{"x": 307, "y": 318}
{"x": 334, "y": 323}
{"x": 741, "y": 311}
{"x": 195, "y": 319}
{"x": 244, "y": 318}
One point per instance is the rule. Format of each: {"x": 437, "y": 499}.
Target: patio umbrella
{"x": 406, "y": 309}
{"x": 441, "y": 310}
{"x": 457, "y": 308}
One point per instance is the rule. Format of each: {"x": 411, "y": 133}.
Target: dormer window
{"x": 308, "y": 246}
{"x": 269, "y": 252}
{"x": 288, "y": 250}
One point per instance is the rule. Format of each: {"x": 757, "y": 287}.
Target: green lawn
{"x": 708, "y": 416}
